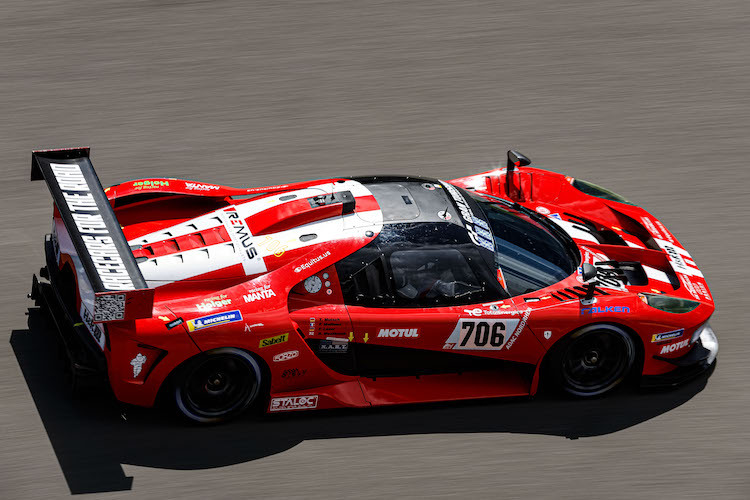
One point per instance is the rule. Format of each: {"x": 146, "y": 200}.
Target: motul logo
{"x": 673, "y": 347}
{"x": 399, "y": 332}
{"x": 294, "y": 403}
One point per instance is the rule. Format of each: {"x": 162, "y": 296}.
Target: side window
{"x": 430, "y": 277}
{"x": 418, "y": 265}
{"x": 363, "y": 278}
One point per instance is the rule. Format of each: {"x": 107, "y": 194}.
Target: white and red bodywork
{"x": 207, "y": 250}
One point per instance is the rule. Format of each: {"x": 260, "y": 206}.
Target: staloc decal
{"x": 294, "y": 403}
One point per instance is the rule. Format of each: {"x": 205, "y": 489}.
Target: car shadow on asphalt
{"x": 92, "y": 434}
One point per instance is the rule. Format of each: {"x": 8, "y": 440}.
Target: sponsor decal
{"x": 678, "y": 263}
{"x": 312, "y": 262}
{"x": 249, "y": 328}
{"x": 214, "y": 303}
{"x": 518, "y": 330}
{"x": 293, "y": 372}
{"x": 605, "y": 310}
{"x": 241, "y": 236}
{"x": 650, "y": 227}
{"x": 555, "y": 216}
{"x": 174, "y": 323}
{"x": 479, "y": 231}
{"x": 93, "y": 328}
{"x": 333, "y": 346}
{"x": 689, "y": 286}
{"x": 473, "y": 334}
{"x": 260, "y": 293}
{"x": 90, "y": 224}
{"x": 273, "y": 245}
{"x": 547, "y": 334}
{"x": 661, "y": 337}
{"x": 494, "y": 311}
{"x": 703, "y": 290}
{"x": 214, "y": 320}
{"x": 137, "y": 363}
{"x": 543, "y": 210}
{"x": 679, "y": 259}
{"x": 312, "y": 326}
{"x": 278, "y": 339}
{"x": 398, "y": 332}
{"x": 196, "y": 186}
{"x": 669, "y": 348}
{"x": 164, "y": 318}
{"x": 285, "y": 356}
{"x": 664, "y": 231}
{"x": 294, "y": 403}
{"x": 141, "y": 185}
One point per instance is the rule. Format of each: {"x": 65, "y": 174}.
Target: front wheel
{"x": 217, "y": 385}
{"x": 594, "y": 360}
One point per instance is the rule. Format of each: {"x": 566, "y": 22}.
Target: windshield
{"x": 528, "y": 254}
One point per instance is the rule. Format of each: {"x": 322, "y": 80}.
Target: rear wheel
{"x": 595, "y": 360}
{"x": 217, "y": 385}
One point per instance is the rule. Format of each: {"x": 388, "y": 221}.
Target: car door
{"x": 424, "y": 308}
{"x": 317, "y": 306}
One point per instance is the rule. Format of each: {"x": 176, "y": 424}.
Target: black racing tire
{"x": 593, "y": 360}
{"x": 217, "y": 386}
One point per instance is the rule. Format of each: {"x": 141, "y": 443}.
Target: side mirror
{"x": 588, "y": 272}
{"x": 516, "y": 159}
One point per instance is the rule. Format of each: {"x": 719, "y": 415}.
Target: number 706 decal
{"x": 485, "y": 334}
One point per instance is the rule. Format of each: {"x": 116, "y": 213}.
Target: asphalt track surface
{"x": 651, "y": 99}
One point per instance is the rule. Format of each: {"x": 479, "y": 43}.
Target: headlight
{"x": 592, "y": 189}
{"x": 708, "y": 340}
{"x": 669, "y": 304}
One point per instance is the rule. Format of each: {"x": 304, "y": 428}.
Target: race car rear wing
{"x": 119, "y": 288}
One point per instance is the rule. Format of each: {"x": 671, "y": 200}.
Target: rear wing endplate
{"x": 120, "y": 291}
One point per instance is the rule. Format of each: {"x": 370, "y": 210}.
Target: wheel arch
{"x": 560, "y": 343}
{"x": 168, "y": 383}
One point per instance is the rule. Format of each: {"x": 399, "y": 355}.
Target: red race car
{"x": 365, "y": 291}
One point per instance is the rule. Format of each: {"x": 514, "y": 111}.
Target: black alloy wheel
{"x": 595, "y": 360}
{"x": 217, "y": 386}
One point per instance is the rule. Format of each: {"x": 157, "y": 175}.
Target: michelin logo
{"x": 137, "y": 363}
{"x": 213, "y": 320}
{"x": 660, "y": 337}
